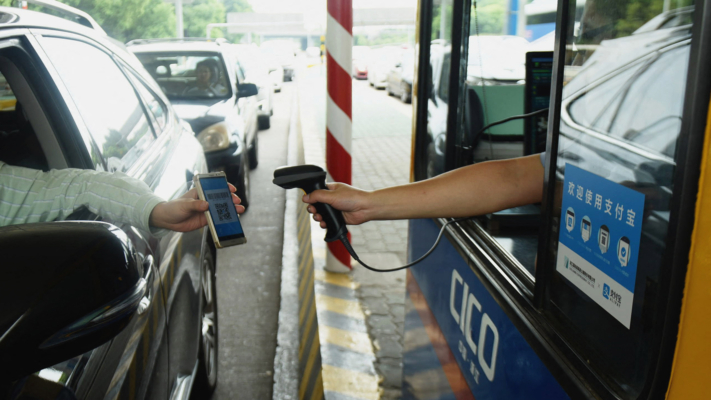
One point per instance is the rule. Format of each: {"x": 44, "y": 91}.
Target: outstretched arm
{"x": 468, "y": 191}
{"x": 29, "y": 195}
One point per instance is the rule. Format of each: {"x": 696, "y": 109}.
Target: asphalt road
{"x": 249, "y": 275}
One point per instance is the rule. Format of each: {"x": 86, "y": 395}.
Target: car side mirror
{"x": 246, "y": 90}
{"x": 66, "y": 288}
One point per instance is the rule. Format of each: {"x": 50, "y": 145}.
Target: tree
{"x": 490, "y": 15}
{"x": 129, "y": 19}
{"x": 237, "y": 6}
{"x": 197, "y": 15}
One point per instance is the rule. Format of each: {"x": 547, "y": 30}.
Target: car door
{"x": 119, "y": 138}
{"x": 247, "y": 107}
{"x": 180, "y": 253}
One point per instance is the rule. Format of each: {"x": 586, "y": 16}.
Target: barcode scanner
{"x": 309, "y": 178}
{"x": 312, "y": 177}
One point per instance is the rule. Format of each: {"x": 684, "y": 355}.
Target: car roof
{"x": 174, "y": 45}
{"x": 11, "y": 17}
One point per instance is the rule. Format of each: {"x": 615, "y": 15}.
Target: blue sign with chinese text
{"x": 600, "y": 231}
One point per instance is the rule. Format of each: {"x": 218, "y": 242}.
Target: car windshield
{"x": 188, "y": 75}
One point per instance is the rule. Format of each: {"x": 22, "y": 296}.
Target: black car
{"x": 200, "y": 80}
{"x": 91, "y": 310}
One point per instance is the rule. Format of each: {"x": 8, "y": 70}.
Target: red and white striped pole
{"x": 339, "y": 43}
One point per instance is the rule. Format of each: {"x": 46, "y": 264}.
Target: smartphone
{"x": 222, "y": 215}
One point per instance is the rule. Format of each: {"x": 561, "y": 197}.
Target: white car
{"x": 381, "y": 62}
{"x": 250, "y": 63}
{"x": 503, "y": 59}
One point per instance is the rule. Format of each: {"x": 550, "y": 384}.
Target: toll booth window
{"x": 494, "y": 89}
{"x": 621, "y": 110}
{"x": 432, "y": 157}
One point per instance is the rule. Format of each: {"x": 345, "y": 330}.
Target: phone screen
{"x": 222, "y": 209}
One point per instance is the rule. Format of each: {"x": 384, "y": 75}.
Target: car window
{"x": 594, "y": 107}
{"x": 18, "y": 141}
{"x": 105, "y": 98}
{"x": 155, "y": 106}
{"x": 188, "y": 75}
{"x": 650, "y": 114}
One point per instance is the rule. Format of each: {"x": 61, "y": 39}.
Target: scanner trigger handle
{"x": 309, "y": 178}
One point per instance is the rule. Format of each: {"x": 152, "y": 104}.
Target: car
{"x": 624, "y": 108}
{"x": 361, "y": 56}
{"x": 400, "y": 77}
{"x": 222, "y": 110}
{"x": 283, "y": 50}
{"x": 382, "y": 60}
{"x": 99, "y": 310}
{"x": 276, "y": 71}
{"x": 497, "y": 60}
{"x": 251, "y": 65}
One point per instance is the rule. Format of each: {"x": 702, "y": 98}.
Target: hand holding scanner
{"x": 312, "y": 177}
{"x": 309, "y": 178}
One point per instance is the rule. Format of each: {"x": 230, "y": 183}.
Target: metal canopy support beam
{"x": 247, "y": 24}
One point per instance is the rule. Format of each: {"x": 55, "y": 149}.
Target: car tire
{"x": 254, "y": 151}
{"x": 387, "y": 89}
{"x": 243, "y": 186}
{"x": 405, "y": 95}
{"x": 206, "y": 377}
{"x": 264, "y": 121}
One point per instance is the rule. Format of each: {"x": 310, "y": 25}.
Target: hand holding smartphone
{"x": 222, "y": 218}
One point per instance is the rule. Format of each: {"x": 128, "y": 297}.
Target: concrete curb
{"x": 346, "y": 354}
{"x": 297, "y": 364}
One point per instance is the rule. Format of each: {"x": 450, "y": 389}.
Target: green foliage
{"x": 136, "y": 19}
{"x": 491, "y": 14}
{"x": 197, "y": 15}
{"x": 437, "y": 22}
{"x": 237, "y": 6}
{"x": 130, "y": 19}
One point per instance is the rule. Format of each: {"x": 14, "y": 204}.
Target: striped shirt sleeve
{"x": 29, "y": 195}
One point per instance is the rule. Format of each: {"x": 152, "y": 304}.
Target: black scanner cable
{"x": 344, "y": 240}
{"x": 312, "y": 177}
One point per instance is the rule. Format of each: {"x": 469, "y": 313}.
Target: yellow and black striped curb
{"x": 311, "y": 383}
{"x": 346, "y": 348}
{"x": 335, "y": 351}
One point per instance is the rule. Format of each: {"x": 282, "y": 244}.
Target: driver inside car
{"x": 206, "y": 84}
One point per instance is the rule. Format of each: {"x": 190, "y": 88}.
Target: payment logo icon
{"x": 623, "y": 251}
{"x": 606, "y": 291}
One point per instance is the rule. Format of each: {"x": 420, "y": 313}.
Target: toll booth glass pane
{"x": 624, "y": 83}
{"x": 507, "y": 76}
{"x": 437, "y": 88}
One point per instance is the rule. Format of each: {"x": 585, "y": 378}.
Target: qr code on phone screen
{"x": 223, "y": 213}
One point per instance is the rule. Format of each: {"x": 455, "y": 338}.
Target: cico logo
{"x": 463, "y": 317}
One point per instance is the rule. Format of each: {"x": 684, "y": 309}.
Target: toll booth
{"x": 597, "y": 291}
